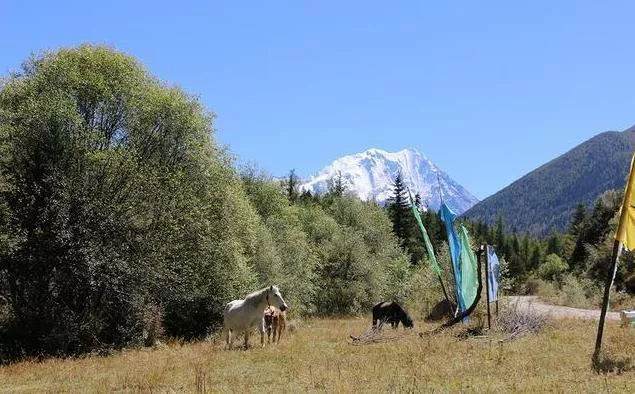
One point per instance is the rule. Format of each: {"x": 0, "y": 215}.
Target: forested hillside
{"x": 545, "y": 198}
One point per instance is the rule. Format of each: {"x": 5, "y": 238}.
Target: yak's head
{"x": 407, "y": 321}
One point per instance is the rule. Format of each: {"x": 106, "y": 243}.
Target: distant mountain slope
{"x": 545, "y": 198}
{"x": 371, "y": 174}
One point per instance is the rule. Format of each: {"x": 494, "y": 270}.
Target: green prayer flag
{"x": 469, "y": 276}
{"x": 426, "y": 239}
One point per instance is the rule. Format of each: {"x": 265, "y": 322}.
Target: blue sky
{"x": 487, "y": 90}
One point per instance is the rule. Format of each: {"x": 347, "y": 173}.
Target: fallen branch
{"x": 374, "y": 335}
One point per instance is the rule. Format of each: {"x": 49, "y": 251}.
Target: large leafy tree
{"x": 118, "y": 212}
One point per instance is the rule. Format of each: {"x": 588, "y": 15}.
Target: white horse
{"x": 242, "y": 315}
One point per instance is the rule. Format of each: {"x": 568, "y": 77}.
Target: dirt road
{"x": 534, "y": 304}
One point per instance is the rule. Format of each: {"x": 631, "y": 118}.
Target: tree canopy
{"x": 116, "y": 201}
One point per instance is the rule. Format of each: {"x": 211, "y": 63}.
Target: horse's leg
{"x": 283, "y": 326}
{"x": 261, "y": 328}
{"x": 276, "y": 330}
{"x": 268, "y": 328}
{"x": 229, "y": 338}
{"x": 247, "y": 338}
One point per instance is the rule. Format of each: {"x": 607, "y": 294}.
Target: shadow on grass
{"x": 613, "y": 365}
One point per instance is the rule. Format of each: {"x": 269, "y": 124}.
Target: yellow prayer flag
{"x": 626, "y": 228}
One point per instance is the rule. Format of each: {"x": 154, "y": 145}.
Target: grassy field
{"x": 318, "y": 356}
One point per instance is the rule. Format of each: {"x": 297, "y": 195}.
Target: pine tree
{"x": 525, "y": 248}
{"x": 398, "y": 209}
{"x": 535, "y": 258}
{"x": 577, "y": 220}
{"x": 435, "y": 227}
{"x": 337, "y": 186}
{"x": 516, "y": 262}
{"x": 292, "y": 186}
{"x": 555, "y": 243}
{"x": 306, "y": 196}
{"x": 418, "y": 201}
{"x": 403, "y": 222}
{"x": 500, "y": 236}
{"x": 591, "y": 231}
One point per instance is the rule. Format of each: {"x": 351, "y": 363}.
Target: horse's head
{"x": 275, "y": 298}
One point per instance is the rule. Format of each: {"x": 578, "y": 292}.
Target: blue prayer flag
{"x": 493, "y": 273}
{"x": 455, "y": 250}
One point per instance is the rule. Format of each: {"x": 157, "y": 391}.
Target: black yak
{"x": 393, "y": 313}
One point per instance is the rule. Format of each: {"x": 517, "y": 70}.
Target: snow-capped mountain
{"x": 371, "y": 174}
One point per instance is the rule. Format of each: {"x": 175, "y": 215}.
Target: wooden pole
{"x": 617, "y": 250}
{"x": 489, "y": 316}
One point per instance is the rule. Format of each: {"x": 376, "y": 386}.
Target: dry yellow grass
{"x": 319, "y": 357}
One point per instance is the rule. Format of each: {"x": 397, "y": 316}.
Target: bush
{"x": 426, "y": 293}
{"x": 572, "y": 291}
{"x": 552, "y": 268}
{"x": 532, "y": 286}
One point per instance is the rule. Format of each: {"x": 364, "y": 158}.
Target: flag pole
{"x": 624, "y": 237}
{"x": 489, "y": 316}
{"x": 617, "y": 250}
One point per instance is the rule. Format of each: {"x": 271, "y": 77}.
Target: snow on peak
{"x": 370, "y": 175}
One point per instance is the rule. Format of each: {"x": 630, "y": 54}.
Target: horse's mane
{"x": 252, "y": 298}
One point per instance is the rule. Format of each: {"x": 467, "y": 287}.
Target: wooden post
{"x": 489, "y": 316}
{"x": 617, "y": 250}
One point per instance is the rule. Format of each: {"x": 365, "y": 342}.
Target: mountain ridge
{"x": 546, "y": 197}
